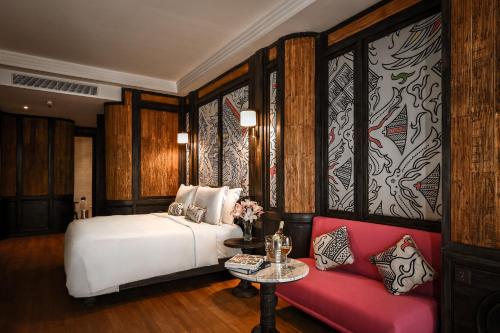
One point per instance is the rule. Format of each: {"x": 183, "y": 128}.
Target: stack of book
{"x": 245, "y": 263}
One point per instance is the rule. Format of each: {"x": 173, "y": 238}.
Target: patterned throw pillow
{"x": 196, "y": 214}
{"x": 176, "y": 209}
{"x": 333, "y": 249}
{"x": 403, "y": 267}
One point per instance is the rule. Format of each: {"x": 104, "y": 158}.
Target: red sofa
{"x": 352, "y": 298}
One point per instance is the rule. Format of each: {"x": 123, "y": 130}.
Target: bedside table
{"x": 244, "y": 288}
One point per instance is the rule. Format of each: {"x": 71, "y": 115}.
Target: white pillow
{"x": 230, "y": 200}
{"x": 185, "y": 195}
{"x": 211, "y": 199}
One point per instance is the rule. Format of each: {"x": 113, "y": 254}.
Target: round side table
{"x": 268, "y": 278}
{"x": 244, "y": 289}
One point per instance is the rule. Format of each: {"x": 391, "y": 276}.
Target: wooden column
{"x": 118, "y": 151}
{"x": 299, "y": 125}
{"x": 475, "y": 123}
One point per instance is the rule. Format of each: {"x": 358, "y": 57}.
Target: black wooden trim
{"x": 280, "y": 136}
{"x": 136, "y": 148}
{"x": 256, "y": 98}
{"x": 85, "y": 131}
{"x": 266, "y": 136}
{"x": 99, "y": 167}
{"x": 193, "y": 139}
{"x": 446, "y": 120}
{"x": 319, "y": 152}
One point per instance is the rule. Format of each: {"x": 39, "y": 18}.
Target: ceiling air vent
{"x": 51, "y": 84}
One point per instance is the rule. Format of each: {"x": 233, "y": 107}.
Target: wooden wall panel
{"x": 63, "y": 174}
{"x": 299, "y": 125}
{"x": 8, "y": 167}
{"x": 369, "y": 19}
{"x": 272, "y": 53}
{"x": 159, "y": 153}
{"x": 475, "y": 123}
{"x": 118, "y": 150}
{"x": 171, "y": 100}
{"x": 35, "y": 156}
{"x": 238, "y": 72}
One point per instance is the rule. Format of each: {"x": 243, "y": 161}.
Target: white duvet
{"x": 102, "y": 253}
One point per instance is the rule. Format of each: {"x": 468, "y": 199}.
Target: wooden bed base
{"x": 165, "y": 278}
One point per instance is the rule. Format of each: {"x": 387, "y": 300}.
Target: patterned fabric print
{"x": 402, "y": 267}
{"x": 341, "y": 132}
{"x": 195, "y": 214}
{"x": 405, "y": 122}
{"x": 208, "y": 144}
{"x": 176, "y": 209}
{"x": 235, "y": 148}
{"x": 333, "y": 249}
{"x": 188, "y": 149}
{"x": 273, "y": 187}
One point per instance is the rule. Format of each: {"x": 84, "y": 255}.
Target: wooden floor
{"x": 33, "y": 298}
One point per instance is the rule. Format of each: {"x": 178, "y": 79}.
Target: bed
{"x": 107, "y": 254}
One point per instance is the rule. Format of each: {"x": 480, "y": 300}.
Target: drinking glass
{"x": 286, "y": 247}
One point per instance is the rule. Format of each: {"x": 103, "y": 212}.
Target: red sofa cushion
{"x": 368, "y": 239}
{"x": 355, "y": 303}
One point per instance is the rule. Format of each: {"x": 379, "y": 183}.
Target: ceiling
{"x": 81, "y": 109}
{"x": 168, "y": 46}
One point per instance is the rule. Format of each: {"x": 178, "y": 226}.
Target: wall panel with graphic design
{"x": 223, "y": 146}
{"x": 384, "y": 136}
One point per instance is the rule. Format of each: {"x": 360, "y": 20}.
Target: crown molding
{"x": 279, "y": 14}
{"x": 26, "y": 61}
{"x": 260, "y": 27}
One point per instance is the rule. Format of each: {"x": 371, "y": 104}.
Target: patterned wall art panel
{"x": 405, "y": 122}
{"x": 208, "y": 144}
{"x": 188, "y": 150}
{"x": 235, "y": 146}
{"x": 273, "y": 153}
{"x": 341, "y": 132}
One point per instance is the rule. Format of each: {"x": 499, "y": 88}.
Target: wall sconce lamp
{"x": 248, "y": 119}
{"x": 182, "y": 138}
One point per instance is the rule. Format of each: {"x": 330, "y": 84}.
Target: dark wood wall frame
{"x": 100, "y": 172}
{"x": 246, "y": 79}
{"x": 358, "y": 42}
{"x": 270, "y": 67}
{"x": 138, "y": 204}
{"x": 298, "y": 225}
{"x": 51, "y": 211}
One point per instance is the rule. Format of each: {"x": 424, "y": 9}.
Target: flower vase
{"x": 247, "y": 231}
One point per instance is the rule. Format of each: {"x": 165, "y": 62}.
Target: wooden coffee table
{"x": 292, "y": 270}
{"x": 244, "y": 288}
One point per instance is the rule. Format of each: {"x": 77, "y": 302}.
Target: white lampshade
{"x": 248, "y": 118}
{"x": 182, "y": 138}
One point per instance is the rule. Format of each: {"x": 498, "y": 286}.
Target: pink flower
{"x": 247, "y": 210}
